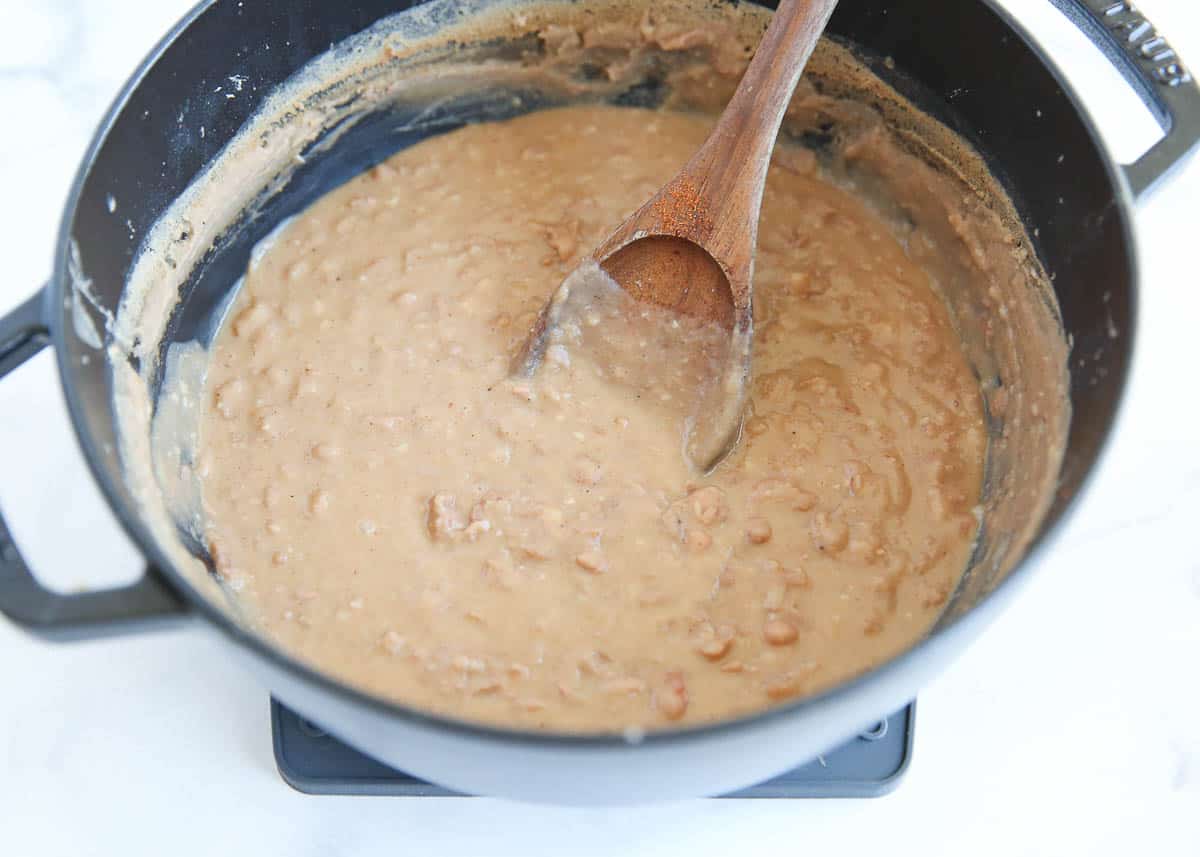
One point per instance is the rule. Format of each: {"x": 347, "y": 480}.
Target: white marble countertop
{"x": 1070, "y": 728}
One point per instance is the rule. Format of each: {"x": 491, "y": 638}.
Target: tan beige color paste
{"x": 392, "y": 507}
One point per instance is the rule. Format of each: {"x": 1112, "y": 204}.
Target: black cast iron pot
{"x": 1021, "y": 120}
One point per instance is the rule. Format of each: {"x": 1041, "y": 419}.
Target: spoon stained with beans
{"x": 690, "y": 248}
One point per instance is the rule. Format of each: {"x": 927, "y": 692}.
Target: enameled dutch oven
{"x": 952, "y": 48}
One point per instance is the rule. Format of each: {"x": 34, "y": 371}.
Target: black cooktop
{"x": 314, "y": 762}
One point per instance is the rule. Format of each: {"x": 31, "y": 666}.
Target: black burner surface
{"x": 314, "y": 762}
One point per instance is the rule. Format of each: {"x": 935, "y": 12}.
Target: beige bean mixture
{"x": 390, "y": 506}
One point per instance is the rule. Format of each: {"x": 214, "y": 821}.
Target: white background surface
{"x": 1073, "y": 727}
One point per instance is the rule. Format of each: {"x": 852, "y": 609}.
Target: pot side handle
{"x": 1151, "y": 66}
{"x": 53, "y": 615}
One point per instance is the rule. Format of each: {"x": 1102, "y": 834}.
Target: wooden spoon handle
{"x": 738, "y": 150}
{"x": 714, "y": 200}
{"x": 732, "y": 164}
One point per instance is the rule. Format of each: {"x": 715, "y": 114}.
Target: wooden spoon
{"x": 691, "y": 247}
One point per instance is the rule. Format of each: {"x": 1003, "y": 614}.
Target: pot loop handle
{"x": 1151, "y": 66}
{"x": 60, "y": 616}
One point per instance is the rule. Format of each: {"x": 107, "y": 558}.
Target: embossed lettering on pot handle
{"x": 23, "y": 333}
{"x": 1157, "y": 74}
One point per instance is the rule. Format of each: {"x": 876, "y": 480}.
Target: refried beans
{"x": 388, "y": 504}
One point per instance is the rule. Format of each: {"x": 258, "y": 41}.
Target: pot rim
{"x": 272, "y": 654}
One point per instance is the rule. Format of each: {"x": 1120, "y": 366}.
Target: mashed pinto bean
{"x": 391, "y": 506}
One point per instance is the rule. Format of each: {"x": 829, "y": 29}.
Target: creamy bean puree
{"x": 347, "y": 470}
{"x": 390, "y": 505}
